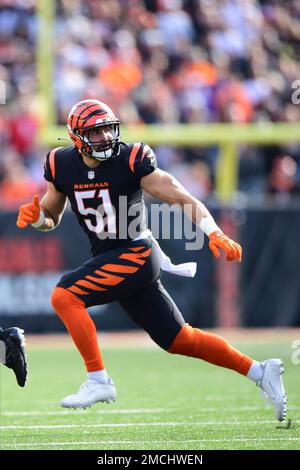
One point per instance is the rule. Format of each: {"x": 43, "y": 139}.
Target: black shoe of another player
{"x": 15, "y": 357}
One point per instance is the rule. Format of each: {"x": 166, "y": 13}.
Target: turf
{"x": 164, "y": 402}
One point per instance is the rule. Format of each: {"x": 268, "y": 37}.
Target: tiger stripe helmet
{"x": 87, "y": 115}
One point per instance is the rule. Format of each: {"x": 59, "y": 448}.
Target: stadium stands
{"x": 163, "y": 61}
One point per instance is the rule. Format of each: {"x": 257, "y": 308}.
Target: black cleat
{"x": 15, "y": 358}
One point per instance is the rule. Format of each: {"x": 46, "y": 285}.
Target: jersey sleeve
{"x": 50, "y": 168}
{"x": 142, "y": 160}
{"x": 47, "y": 170}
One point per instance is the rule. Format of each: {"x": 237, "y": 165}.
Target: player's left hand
{"x": 232, "y": 249}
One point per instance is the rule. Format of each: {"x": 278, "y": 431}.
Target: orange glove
{"x": 219, "y": 240}
{"x": 29, "y": 213}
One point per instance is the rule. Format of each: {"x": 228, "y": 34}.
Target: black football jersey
{"x": 107, "y": 200}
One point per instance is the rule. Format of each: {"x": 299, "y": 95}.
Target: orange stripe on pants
{"x": 136, "y": 257}
{"x": 108, "y": 279}
{"x": 120, "y": 268}
{"x": 89, "y": 285}
{"x": 76, "y": 290}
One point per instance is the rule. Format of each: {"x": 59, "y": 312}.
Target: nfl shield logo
{"x": 91, "y": 175}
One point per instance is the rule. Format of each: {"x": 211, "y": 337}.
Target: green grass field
{"x": 164, "y": 402}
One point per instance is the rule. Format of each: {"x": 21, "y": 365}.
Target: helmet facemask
{"x": 100, "y": 148}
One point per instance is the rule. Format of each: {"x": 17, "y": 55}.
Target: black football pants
{"x": 131, "y": 276}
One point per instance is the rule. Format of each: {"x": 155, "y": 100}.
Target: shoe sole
{"x": 110, "y": 400}
{"x": 282, "y": 416}
{"x": 284, "y": 411}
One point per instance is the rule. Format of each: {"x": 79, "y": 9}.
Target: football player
{"x": 92, "y": 174}
{"x": 12, "y": 352}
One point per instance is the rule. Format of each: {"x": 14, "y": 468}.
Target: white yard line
{"x": 179, "y": 441}
{"x": 134, "y": 411}
{"x": 127, "y": 425}
{"x": 79, "y": 412}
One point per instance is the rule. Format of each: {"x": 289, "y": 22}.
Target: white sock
{"x": 255, "y": 372}
{"x": 98, "y": 376}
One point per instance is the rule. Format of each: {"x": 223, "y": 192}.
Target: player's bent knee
{"x": 184, "y": 341}
{"x": 58, "y": 298}
{"x": 163, "y": 344}
{"x": 61, "y": 299}
{"x": 163, "y": 339}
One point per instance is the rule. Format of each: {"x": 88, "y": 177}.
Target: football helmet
{"x": 94, "y": 129}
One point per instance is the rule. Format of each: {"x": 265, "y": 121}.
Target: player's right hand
{"x": 29, "y": 213}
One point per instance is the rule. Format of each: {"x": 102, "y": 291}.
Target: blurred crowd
{"x": 157, "y": 61}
